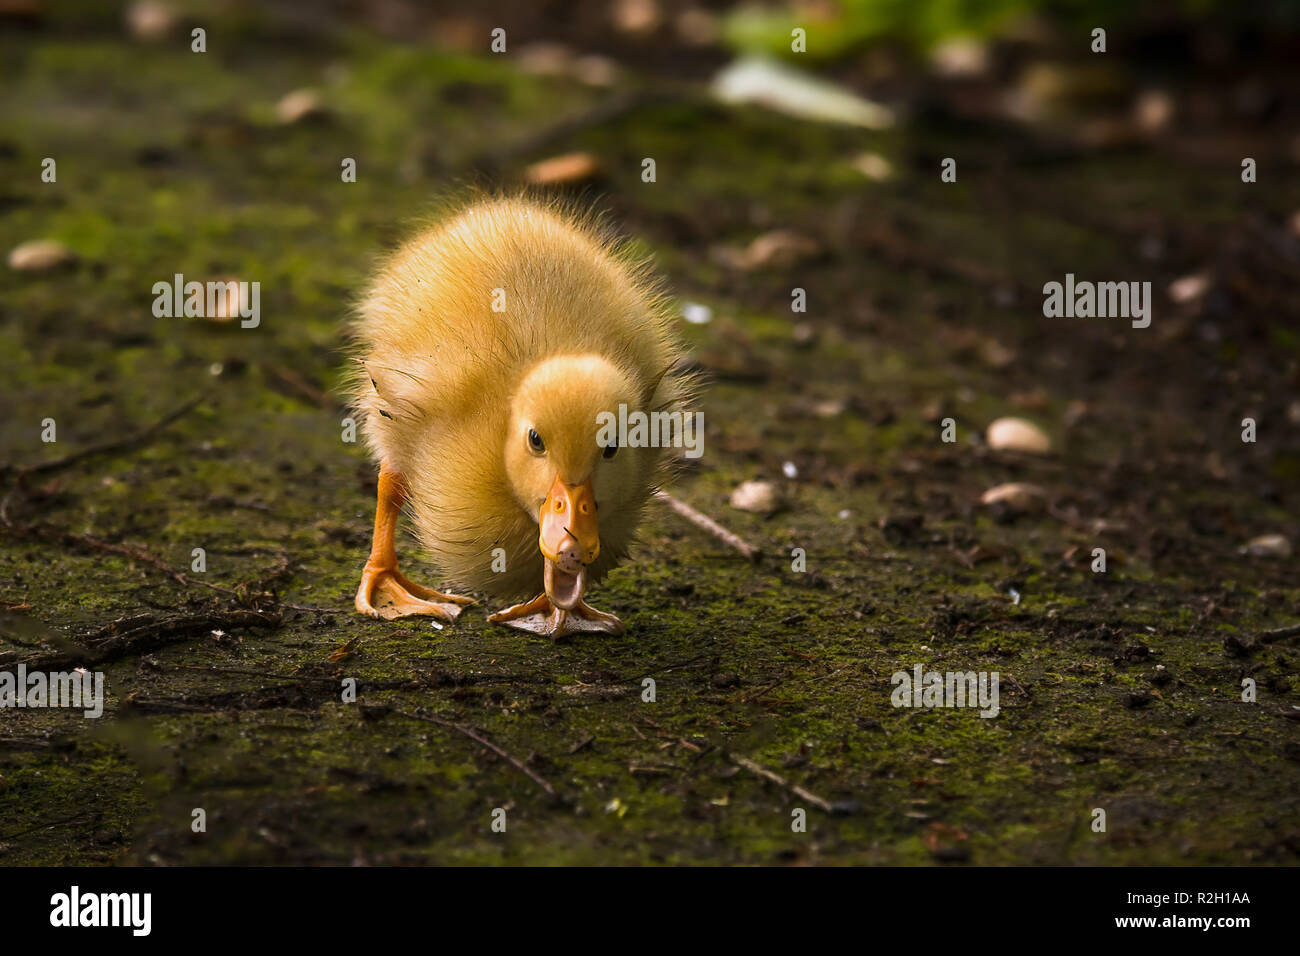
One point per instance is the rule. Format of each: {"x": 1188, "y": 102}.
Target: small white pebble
{"x": 696, "y": 314}
{"x": 39, "y": 255}
{"x": 757, "y": 496}
{"x": 1188, "y": 288}
{"x": 1016, "y": 434}
{"x": 789, "y": 470}
{"x": 1019, "y": 495}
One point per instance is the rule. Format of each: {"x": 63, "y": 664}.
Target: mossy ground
{"x": 170, "y": 161}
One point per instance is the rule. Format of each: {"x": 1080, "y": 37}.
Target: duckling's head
{"x": 558, "y": 469}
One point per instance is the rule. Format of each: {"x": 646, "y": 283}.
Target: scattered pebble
{"x": 697, "y": 27}
{"x": 1189, "y": 288}
{"x": 556, "y": 59}
{"x": 697, "y": 314}
{"x": 874, "y": 166}
{"x": 637, "y": 17}
{"x": 595, "y": 70}
{"x": 790, "y": 470}
{"x": 150, "y": 20}
{"x": 779, "y": 248}
{"x": 960, "y": 57}
{"x": 804, "y": 334}
{"x": 1268, "y": 546}
{"x": 759, "y": 497}
{"x": 1153, "y": 110}
{"x": 545, "y": 59}
{"x": 561, "y": 170}
{"x": 299, "y": 106}
{"x": 1017, "y": 434}
{"x": 996, "y": 355}
{"x": 230, "y": 300}
{"x": 40, "y": 255}
{"x": 1017, "y": 495}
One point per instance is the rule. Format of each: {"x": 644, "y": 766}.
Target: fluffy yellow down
{"x": 439, "y": 372}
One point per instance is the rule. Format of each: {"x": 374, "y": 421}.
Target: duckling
{"x": 488, "y": 348}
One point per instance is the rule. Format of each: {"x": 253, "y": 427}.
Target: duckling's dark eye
{"x": 535, "y": 443}
{"x": 609, "y": 452}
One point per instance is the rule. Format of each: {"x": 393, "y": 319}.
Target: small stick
{"x": 121, "y": 444}
{"x": 798, "y": 791}
{"x": 484, "y": 742}
{"x": 138, "y": 635}
{"x": 1280, "y": 633}
{"x": 705, "y": 523}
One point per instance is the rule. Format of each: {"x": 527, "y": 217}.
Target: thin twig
{"x": 1279, "y": 633}
{"x": 485, "y": 743}
{"x": 705, "y": 523}
{"x": 139, "y": 634}
{"x": 103, "y": 448}
{"x": 816, "y": 801}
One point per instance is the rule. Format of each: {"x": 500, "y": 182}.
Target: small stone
{"x": 638, "y": 17}
{"x": 1016, "y": 495}
{"x": 299, "y": 106}
{"x": 595, "y": 70}
{"x": 874, "y": 166}
{"x": 1189, "y": 288}
{"x": 790, "y": 470}
{"x": 1268, "y": 546}
{"x": 1137, "y": 700}
{"x": 804, "y": 335}
{"x": 960, "y": 57}
{"x": 697, "y": 27}
{"x": 696, "y": 314}
{"x": 40, "y": 255}
{"x": 545, "y": 59}
{"x": 150, "y": 20}
{"x": 759, "y": 497}
{"x": 230, "y": 300}
{"x": 1017, "y": 434}
{"x": 1152, "y": 110}
{"x": 777, "y": 249}
{"x": 563, "y": 170}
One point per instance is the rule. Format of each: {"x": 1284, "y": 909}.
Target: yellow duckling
{"x": 488, "y": 347}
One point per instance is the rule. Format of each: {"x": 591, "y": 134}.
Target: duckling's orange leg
{"x": 384, "y": 591}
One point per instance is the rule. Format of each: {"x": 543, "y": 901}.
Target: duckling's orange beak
{"x": 568, "y": 539}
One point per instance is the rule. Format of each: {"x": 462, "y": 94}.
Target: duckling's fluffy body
{"x": 511, "y": 314}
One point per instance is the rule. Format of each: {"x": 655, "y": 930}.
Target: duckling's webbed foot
{"x": 387, "y": 593}
{"x": 540, "y": 616}
{"x": 384, "y": 591}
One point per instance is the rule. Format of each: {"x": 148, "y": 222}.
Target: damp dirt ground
{"x": 1120, "y": 691}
